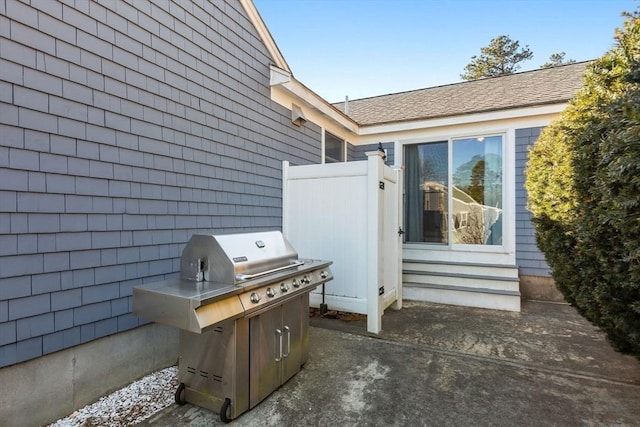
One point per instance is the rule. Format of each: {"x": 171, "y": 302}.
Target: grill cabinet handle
{"x": 262, "y": 273}
{"x": 278, "y": 345}
{"x": 288, "y": 331}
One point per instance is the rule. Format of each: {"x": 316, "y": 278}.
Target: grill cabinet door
{"x": 276, "y": 347}
{"x": 291, "y": 338}
{"x": 266, "y": 359}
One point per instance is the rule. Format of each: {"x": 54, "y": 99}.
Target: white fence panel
{"x": 337, "y": 212}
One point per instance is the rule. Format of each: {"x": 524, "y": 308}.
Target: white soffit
{"x": 290, "y": 91}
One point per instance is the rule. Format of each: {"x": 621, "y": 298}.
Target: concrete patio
{"x": 442, "y": 365}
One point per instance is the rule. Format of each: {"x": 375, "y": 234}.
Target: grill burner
{"x": 242, "y": 307}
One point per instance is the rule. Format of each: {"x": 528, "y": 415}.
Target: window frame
{"x": 508, "y": 199}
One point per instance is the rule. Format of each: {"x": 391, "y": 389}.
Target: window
{"x": 456, "y": 182}
{"x": 333, "y": 148}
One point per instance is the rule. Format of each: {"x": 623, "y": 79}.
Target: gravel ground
{"x": 129, "y": 405}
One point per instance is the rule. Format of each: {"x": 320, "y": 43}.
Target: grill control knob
{"x": 284, "y": 287}
{"x": 295, "y": 283}
{"x": 324, "y": 274}
{"x": 306, "y": 280}
{"x": 271, "y": 292}
{"x": 254, "y": 298}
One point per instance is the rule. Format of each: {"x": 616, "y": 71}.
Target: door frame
{"x": 504, "y": 254}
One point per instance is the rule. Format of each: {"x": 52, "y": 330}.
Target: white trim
{"x": 443, "y": 132}
{"x": 511, "y": 114}
{"x": 502, "y": 254}
{"x": 345, "y": 152}
{"x": 286, "y": 222}
{"x": 323, "y": 146}
{"x": 286, "y": 90}
{"x": 265, "y": 35}
{"x": 509, "y": 188}
{"x": 397, "y": 154}
{"x": 321, "y": 112}
{"x": 278, "y": 76}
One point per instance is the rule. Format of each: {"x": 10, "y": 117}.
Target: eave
{"x": 286, "y": 91}
{"x": 507, "y": 114}
{"x": 265, "y": 34}
{"x": 295, "y": 96}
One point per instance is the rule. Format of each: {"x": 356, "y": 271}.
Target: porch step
{"x": 473, "y": 285}
{"x": 492, "y": 270}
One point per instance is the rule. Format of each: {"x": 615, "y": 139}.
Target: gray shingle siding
{"x": 530, "y": 260}
{"x": 358, "y": 152}
{"x": 124, "y": 129}
{"x": 351, "y": 154}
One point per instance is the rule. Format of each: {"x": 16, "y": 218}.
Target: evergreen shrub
{"x": 583, "y": 182}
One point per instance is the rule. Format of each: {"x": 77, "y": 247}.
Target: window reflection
{"x": 474, "y": 209}
{"x": 477, "y": 191}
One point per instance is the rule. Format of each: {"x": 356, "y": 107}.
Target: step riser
{"x": 477, "y": 270}
{"x": 461, "y": 281}
{"x": 462, "y": 298}
{"x": 470, "y": 285}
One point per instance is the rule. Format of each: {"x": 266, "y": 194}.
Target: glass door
{"x": 426, "y": 192}
{"x": 453, "y": 191}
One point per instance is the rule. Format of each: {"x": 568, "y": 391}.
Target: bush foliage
{"x": 583, "y": 180}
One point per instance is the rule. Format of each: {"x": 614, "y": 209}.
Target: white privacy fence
{"x": 349, "y": 213}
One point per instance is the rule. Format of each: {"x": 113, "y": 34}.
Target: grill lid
{"x": 234, "y": 258}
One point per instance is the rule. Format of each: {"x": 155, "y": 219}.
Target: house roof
{"x": 531, "y": 88}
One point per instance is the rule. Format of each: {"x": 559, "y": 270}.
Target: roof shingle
{"x": 530, "y": 88}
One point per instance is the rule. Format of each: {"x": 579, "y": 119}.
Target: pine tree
{"x": 503, "y": 56}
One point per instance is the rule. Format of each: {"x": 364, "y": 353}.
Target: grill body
{"x": 242, "y": 307}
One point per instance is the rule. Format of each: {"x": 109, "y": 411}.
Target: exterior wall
{"x": 69, "y": 379}
{"x": 357, "y": 152}
{"x": 125, "y": 127}
{"x": 530, "y": 260}
{"x": 351, "y": 153}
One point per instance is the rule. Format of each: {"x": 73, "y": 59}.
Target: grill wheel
{"x": 178, "y": 396}
{"x": 223, "y": 410}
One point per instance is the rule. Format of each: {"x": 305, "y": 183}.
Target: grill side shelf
{"x": 155, "y": 306}
{"x": 207, "y": 316}
{"x": 186, "y": 305}
{"x": 199, "y": 306}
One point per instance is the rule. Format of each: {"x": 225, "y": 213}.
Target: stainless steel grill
{"x": 242, "y": 305}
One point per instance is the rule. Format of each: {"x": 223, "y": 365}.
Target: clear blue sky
{"x": 363, "y": 48}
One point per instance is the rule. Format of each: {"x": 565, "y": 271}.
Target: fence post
{"x": 375, "y": 181}
{"x": 285, "y": 198}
